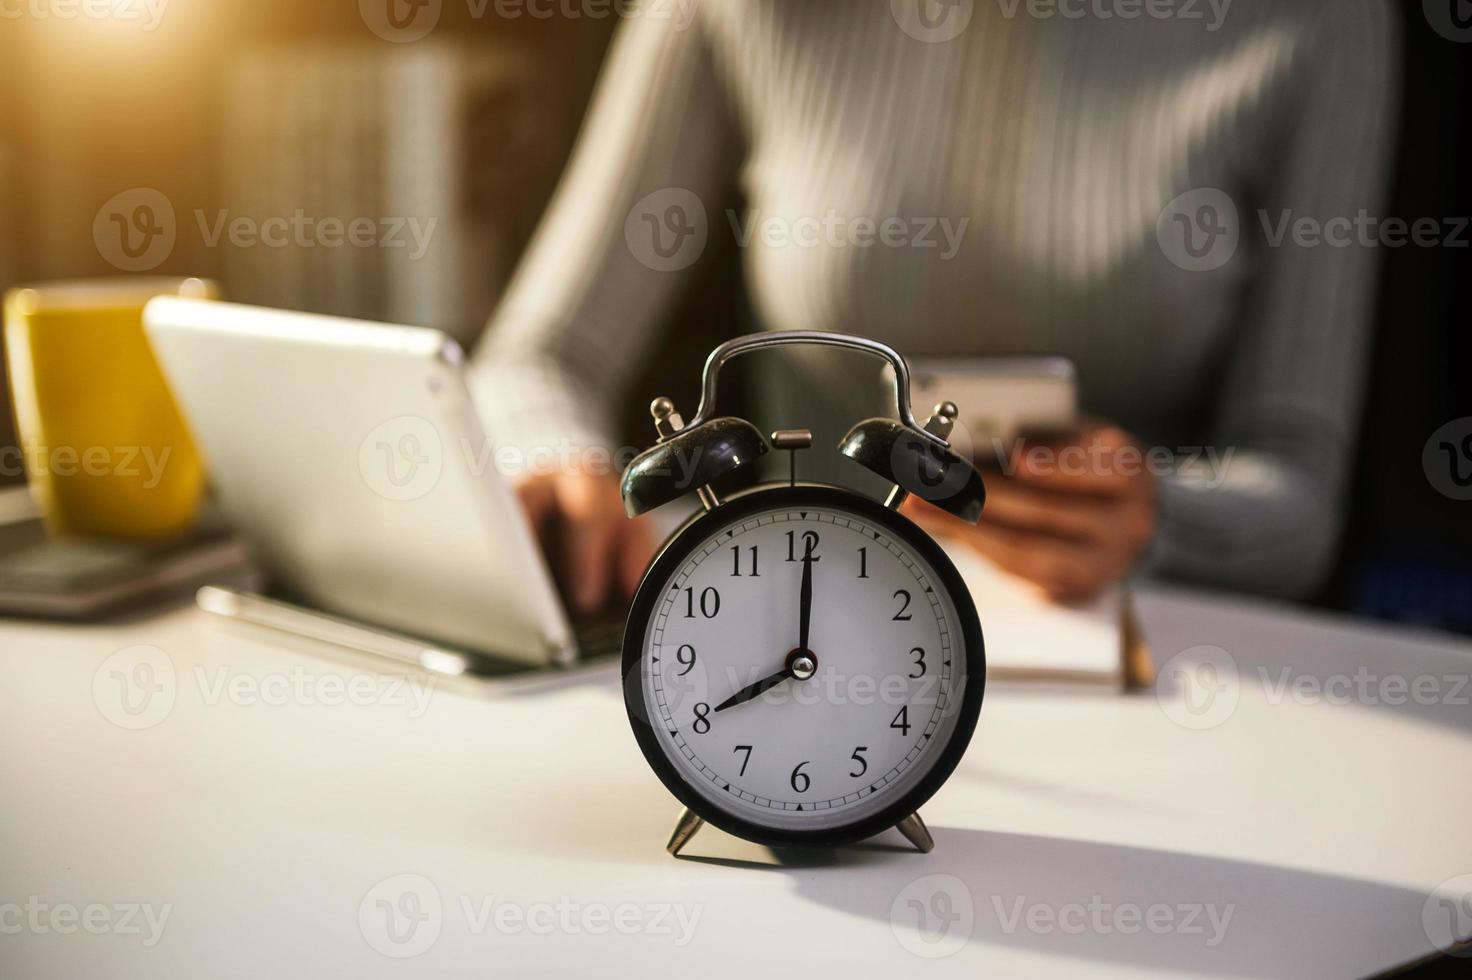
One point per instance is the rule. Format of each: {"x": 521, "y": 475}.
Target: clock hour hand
{"x": 754, "y": 690}
{"x": 800, "y": 664}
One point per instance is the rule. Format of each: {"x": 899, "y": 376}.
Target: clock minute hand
{"x": 805, "y": 599}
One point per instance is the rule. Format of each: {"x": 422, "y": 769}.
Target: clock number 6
{"x": 797, "y": 774}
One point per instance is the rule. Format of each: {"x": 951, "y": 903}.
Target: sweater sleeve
{"x": 1267, "y": 517}
{"x": 609, "y": 259}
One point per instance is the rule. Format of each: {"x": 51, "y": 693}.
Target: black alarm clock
{"x": 802, "y": 664}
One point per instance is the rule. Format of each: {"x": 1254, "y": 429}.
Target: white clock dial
{"x": 846, "y": 724}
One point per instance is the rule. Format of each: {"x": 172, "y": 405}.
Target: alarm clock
{"x": 802, "y": 664}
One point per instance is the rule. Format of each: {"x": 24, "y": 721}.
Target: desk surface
{"x": 261, "y": 806}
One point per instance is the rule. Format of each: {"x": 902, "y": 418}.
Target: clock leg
{"x": 915, "y": 832}
{"x": 685, "y": 829}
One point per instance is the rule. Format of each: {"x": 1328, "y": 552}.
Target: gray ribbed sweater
{"x": 1040, "y": 155}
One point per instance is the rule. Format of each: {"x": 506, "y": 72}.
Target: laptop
{"x": 350, "y": 457}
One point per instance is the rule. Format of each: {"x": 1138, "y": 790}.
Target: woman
{"x": 1126, "y": 190}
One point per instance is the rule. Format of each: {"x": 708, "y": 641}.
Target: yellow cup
{"x": 102, "y": 441}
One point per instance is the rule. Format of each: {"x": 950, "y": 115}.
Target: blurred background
{"x": 232, "y": 109}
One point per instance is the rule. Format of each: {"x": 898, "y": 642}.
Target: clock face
{"x": 805, "y": 665}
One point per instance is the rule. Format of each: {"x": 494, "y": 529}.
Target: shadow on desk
{"x": 1038, "y": 894}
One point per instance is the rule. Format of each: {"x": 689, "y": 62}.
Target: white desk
{"x": 263, "y": 830}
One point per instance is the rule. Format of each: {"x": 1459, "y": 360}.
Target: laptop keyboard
{"x": 600, "y": 637}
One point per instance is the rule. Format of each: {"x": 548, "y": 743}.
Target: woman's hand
{"x": 595, "y": 551}
{"x": 1072, "y": 516}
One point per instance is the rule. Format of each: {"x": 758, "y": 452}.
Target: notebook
{"x": 82, "y": 578}
{"x": 1029, "y": 638}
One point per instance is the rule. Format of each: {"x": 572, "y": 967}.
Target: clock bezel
{"x": 683, "y": 542}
